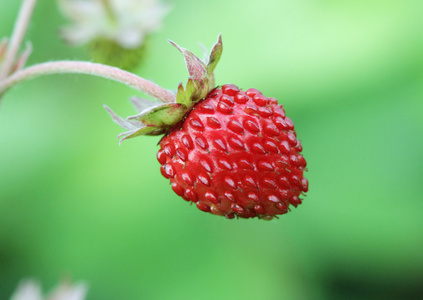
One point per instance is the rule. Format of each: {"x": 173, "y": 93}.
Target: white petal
{"x": 80, "y": 10}
{"x": 130, "y": 38}
{"x": 79, "y": 35}
{"x": 28, "y": 290}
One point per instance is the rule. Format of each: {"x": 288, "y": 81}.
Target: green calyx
{"x": 163, "y": 116}
{"x": 156, "y": 119}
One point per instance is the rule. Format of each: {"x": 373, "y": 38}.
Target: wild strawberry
{"x": 232, "y": 153}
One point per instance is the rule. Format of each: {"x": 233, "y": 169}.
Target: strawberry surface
{"x": 232, "y": 153}
{"x": 235, "y": 153}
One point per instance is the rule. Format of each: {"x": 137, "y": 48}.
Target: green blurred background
{"x": 349, "y": 74}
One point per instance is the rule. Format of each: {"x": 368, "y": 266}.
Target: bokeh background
{"x": 73, "y": 204}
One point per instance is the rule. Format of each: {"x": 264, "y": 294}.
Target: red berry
{"x": 232, "y": 153}
{"x": 235, "y": 154}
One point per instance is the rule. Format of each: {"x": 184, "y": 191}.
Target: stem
{"x": 18, "y": 34}
{"x": 113, "y": 73}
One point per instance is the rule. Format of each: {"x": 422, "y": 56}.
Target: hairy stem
{"x": 18, "y": 34}
{"x": 108, "y": 72}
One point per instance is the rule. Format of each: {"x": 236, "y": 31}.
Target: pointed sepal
{"x": 3, "y": 47}
{"x": 125, "y": 123}
{"x": 158, "y": 118}
{"x": 21, "y": 61}
{"x": 201, "y": 80}
{"x": 162, "y": 116}
{"x": 141, "y": 104}
{"x": 194, "y": 91}
{"x": 145, "y": 130}
{"x": 196, "y": 68}
{"x": 183, "y": 95}
{"x": 154, "y": 120}
{"x": 215, "y": 54}
{"x": 18, "y": 61}
{"x": 135, "y": 127}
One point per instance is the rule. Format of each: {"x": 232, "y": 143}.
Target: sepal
{"x": 18, "y": 63}
{"x": 21, "y": 60}
{"x": 161, "y": 116}
{"x": 215, "y": 54}
{"x": 141, "y": 104}
{"x": 146, "y": 130}
{"x": 157, "y": 118}
{"x": 201, "y": 80}
{"x": 194, "y": 91}
{"x": 3, "y": 47}
{"x": 153, "y": 120}
{"x": 135, "y": 128}
{"x": 125, "y": 123}
{"x": 196, "y": 68}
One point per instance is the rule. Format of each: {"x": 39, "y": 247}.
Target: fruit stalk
{"x": 108, "y": 72}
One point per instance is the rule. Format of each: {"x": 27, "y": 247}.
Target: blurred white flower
{"x": 28, "y": 290}
{"x": 31, "y": 290}
{"x": 126, "y": 22}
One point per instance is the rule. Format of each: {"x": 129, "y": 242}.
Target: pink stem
{"x": 108, "y": 72}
